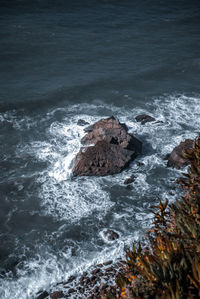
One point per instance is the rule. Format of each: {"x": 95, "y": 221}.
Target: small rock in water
{"x": 82, "y": 122}
{"x": 144, "y": 118}
{"x": 111, "y": 235}
{"x": 140, "y": 164}
{"x": 109, "y": 269}
{"x": 71, "y": 291}
{"x": 159, "y": 122}
{"x": 129, "y": 180}
{"x": 81, "y": 290}
{"x": 95, "y": 271}
{"x": 93, "y": 278}
{"x": 43, "y": 295}
{"x": 71, "y": 278}
{"x": 108, "y": 263}
{"x": 100, "y": 265}
{"x": 81, "y": 279}
{"x": 87, "y": 281}
{"x": 56, "y": 295}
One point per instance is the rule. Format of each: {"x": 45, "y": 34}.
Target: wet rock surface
{"x": 176, "y": 159}
{"x": 88, "y": 285}
{"x": 112, "y": 150}
{"x": 144, "y": 118}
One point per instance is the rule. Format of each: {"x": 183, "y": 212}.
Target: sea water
{"x": 61, "y": 62}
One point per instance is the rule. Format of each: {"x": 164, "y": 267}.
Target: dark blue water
{"x": 61, "y": 62}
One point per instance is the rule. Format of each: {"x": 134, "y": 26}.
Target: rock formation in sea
{"x": 176, "y": 158}
{"x": 144, "y": 118}
{"x": 109, "y": 149}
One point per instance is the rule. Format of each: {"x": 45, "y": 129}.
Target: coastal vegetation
{"x": 167, "y": 263}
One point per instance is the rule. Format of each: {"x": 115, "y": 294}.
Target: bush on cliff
{"x": 167, "y": 265}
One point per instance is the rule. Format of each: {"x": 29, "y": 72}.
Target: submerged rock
{"x": 82, "y": 122}
{"x": 129, "y": 180}
{"x": 112, "y": 150}
{"x": 140, "y": 163}
{"x": 176, "y": 159}
{"x": 144, "y": 118}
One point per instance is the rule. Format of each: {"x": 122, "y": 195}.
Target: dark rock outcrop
{"x": 176, "y": 159}
{"x": 112, "y": 150}
{"x": 144, "y": 118}
{"x": 140, "y": 163}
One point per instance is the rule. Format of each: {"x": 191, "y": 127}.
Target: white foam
{"x": 72, "y": 200}
{"x": 43, "y": 272}
{"x": 61, "y": 196}
{"x": 34, "y": 276}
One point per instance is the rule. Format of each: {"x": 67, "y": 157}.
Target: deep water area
{"x": 61, "y": 62}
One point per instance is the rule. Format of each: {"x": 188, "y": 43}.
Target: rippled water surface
{"x": 62, "y": 62}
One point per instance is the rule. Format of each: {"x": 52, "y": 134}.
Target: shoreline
{"x": 102, "y": 278}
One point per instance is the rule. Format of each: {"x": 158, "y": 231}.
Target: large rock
{"x": 176, "y": 158}
{"x": 111, "y": 149}
{"x": 144, "y": 118}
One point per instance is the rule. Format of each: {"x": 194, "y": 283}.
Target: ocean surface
{"x": 61, "y": 61}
